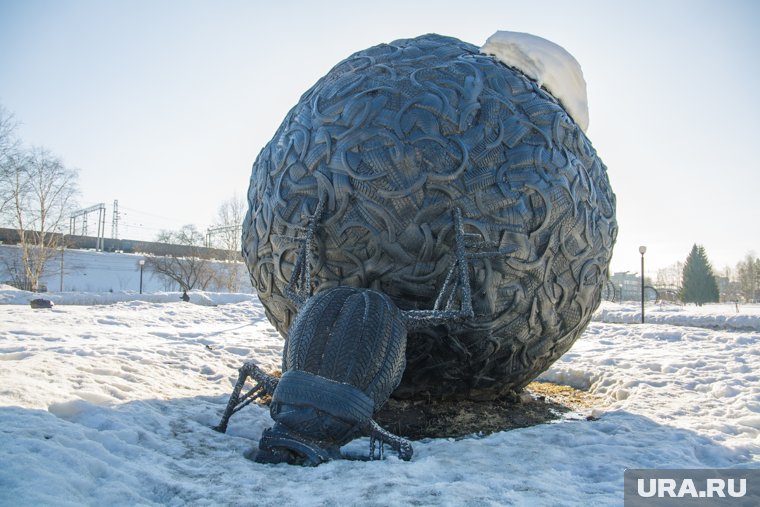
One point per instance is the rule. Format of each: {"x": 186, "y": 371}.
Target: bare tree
{"x": 229, "y": 221}
{"x": 670, "y": 277}
{"x": 9, "y": 157}
{"x": 11, "y": 268}
{"x": 730, "y": 290}
{"x": 191, "y": 269}
{"x": 42, "y": 195}
{"x": 225, "y": 235}
{"x": 748, "y": 276}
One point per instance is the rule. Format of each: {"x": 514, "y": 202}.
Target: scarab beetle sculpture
{"x": 401, "y": 156}
{"x": 344, "y": 356}
{"x": 396, "y": 136}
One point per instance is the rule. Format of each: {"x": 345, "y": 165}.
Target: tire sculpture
{"x": 393, "y": 139}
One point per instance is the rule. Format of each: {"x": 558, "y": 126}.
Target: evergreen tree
{"x": 698, "y": 284}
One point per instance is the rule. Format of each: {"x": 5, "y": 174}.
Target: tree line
{"x": 696, "y": 281}
{"x": 195, "y": 271}
{"x": 744, "y": 280}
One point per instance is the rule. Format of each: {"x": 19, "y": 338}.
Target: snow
{"x": 547, "y": 63}
{"x": 728, "y": 316}
{"x": 100, "y": 272}
{"x": 112, "y": 404}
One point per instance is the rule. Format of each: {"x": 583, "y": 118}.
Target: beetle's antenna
{"x": 264, "y": 384}
{"x": 301, "y": 275}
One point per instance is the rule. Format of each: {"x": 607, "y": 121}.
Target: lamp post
{"x": 642, "y": 251}
{"x": 63, "y": 245}
{"x": 142, "y": 264}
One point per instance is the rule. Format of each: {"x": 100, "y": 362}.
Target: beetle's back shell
{"x": 352, "y": 336}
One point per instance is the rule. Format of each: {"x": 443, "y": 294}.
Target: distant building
{"x": 627, "y": 286}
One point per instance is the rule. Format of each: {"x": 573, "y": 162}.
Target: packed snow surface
{"x": 112, "y": 404}
{"x": 547, "y": 63}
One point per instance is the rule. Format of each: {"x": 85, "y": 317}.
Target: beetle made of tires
{"x": 401, "y": 157}
{"x": 344, "y": 356}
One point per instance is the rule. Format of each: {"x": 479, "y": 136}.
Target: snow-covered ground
{"x": 111, "y": 404}
{"x": 91, "y": 271}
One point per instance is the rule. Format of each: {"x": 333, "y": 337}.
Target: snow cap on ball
{"x": 547, "y": 63}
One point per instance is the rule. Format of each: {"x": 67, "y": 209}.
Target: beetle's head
{"x": 314, "y": 416}
{"x": 281, "y": 444}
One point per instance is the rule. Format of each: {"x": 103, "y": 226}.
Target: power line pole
{"x": 102, "y": 229}
{"x": 642, "y": 251}
{"x": 212, "y": 231}
{"x": 101, "y": 210}
{"x": 115, "y": 220}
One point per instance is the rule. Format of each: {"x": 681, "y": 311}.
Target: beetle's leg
{"x": 298, "y": 289}
{"x": 264, "y": 384}
{"x": 378, "y": 434}
{"x": 458, "y": 277}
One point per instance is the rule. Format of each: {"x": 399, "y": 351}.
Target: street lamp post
{"x": 142, "y": 264}
{"x": 63, "y": 245}
{"x": 642, "y": 251}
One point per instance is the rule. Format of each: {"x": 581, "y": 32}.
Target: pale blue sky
{"x": 164, "y": 105}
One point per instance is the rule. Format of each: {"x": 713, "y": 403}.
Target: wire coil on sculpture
{"x": 428, "y": 177}
{"x": 399, "y": 134}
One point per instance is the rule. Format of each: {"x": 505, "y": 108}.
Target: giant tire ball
{"x": 393, "y": 138}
